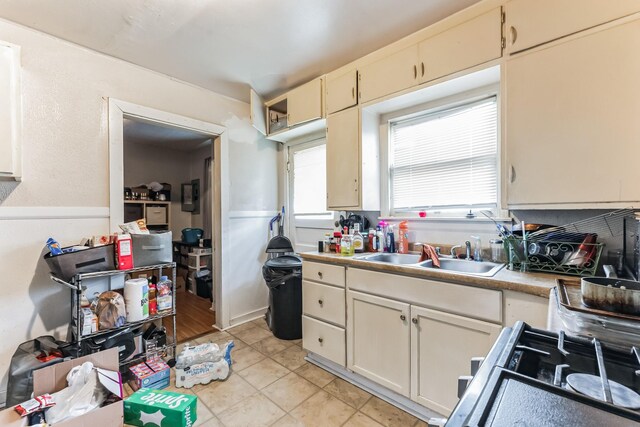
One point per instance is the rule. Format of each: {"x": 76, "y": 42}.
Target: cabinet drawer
{"x": 156, "y": 215}
{"x": 325, "y": 273}
{"x": 323, "y": 302}
{"x": 324, "y": 339}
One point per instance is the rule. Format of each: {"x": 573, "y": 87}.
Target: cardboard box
{"x": 151, "y": 408}
{"x": 150, "y": 374}
{"x": 54, "y": 378}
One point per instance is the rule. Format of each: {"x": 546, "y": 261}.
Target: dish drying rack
{"x": 568, "y": 249}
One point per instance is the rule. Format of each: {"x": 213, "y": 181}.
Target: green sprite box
{"x": 160, "y": 408}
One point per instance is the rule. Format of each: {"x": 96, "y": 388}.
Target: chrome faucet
{"x": 453, "y": 251}
{"x": 467, "y": 246}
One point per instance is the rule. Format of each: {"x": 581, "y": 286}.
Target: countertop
{"x": 538, "y": 284}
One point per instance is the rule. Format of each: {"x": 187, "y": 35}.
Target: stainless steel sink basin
{"x": 481, "y": 268}
{"x": 399, "y": 259}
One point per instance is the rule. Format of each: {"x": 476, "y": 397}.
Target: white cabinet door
{"x": 10, "y": 113}
{"x": 534, "y": 22}
{"x": 342, "y": 91}
{"x": 466, "y": 45}
{"x": 442, "y": 346}
{"x": 572, "y": 128}
{"x": 304, "y": 103}
{"x": 388, "y": 75}
{"x": 343, "y": 159}
{"x": 378, "y": 340}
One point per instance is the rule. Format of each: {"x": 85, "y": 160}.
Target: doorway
{"x": 153, "y": 147}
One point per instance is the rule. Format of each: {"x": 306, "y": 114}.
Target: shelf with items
{"x": 76, "y": 287}
{"x": 157, "y": 213}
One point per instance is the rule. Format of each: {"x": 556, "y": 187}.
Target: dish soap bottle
{"x": 403, "y": 238}
{"x": 345, "y": 242}
{"x": 358, "y": 240}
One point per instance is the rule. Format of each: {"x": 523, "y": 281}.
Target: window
{"x": 445, "y": 159}
{"x": 308, "y": 179}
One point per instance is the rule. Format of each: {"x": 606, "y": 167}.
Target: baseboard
{"x": 377, "y": 390}
{"x": 247, "y": 317}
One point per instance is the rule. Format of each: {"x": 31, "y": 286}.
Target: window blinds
{"x": 309, "y": 180}
{"x": 446, "y": 159}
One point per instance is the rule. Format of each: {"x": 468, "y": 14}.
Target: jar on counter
{"x": 497, "y": 251}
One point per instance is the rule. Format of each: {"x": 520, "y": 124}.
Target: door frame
{"x": 118, "y": 111}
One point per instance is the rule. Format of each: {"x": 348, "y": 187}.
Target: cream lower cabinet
{"x": 378, "y": 340}
{"x": 442, "y": 345}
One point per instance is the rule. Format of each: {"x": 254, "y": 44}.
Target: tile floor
{"x": 272, "y": 385}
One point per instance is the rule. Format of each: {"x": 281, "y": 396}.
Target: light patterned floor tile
{"x": 287, "y": 421}
{"x": 220, "y": 395}
{"x": 214, "y": 337}
{"x": 289, "y": 391}
{"x": 347, "y": 392}
{"x": 317, "y": 376}
{"x": 292, "y": 358}
{"x": 211, "y": 422}
{"x": 271, "y": 345}
{"x": 261, "y": 323}
{"x": 245, "y": 357}
{"x": 322, "y": 410}
{"x": 252, "y": 335}
{"x": 244, "y": 326}
{"x": 387, "y": 414}
{"x": 360, "y": 420}
{"x": 263, "y": 373}
{"x": 203, "y": 413}
{"x": 256, "y": 411}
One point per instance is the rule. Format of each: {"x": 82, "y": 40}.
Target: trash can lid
{"x": 284, "y": 261}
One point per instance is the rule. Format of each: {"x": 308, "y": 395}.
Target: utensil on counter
{"x": 611, "y": 294}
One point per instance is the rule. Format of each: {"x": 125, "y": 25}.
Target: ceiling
{"x": 230, "y": 45}
{"x": 156, "y": 135}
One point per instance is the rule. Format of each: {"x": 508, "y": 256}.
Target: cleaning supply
{"x": 136, "y": 299}
{"x": 379, "y": 239}
{"x": 358, "y": 240}
{"x": 403, "y": 238}
{"x": 391, "y": 241}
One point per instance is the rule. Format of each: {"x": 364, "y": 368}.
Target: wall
{"x": 196, "y": 171}
{"x": 65, "y": 187}
{"x": 144, "y": 164}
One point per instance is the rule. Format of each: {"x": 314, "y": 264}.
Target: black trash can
{"x": 283, "y": 276}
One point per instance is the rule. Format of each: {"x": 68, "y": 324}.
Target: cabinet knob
{"x": 320, "y": 340}
{"x": 415, "y": 72}
{"x": 512, "y": 178}
{"x": 320, "y": 274}
{"x": 422, "y": 69}
{"x": 403, "y": 317}
{"x": 353, "y": 92}
{"x": 414, "y": 320}
{"x": 320, "y": 302}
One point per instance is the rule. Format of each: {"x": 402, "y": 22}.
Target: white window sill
{"x": 443, "y": 219}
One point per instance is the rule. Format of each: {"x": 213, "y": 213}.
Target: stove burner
{"x": 591, "y": 385}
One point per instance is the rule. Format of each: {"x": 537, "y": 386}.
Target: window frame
{"x": 428, "y": 108}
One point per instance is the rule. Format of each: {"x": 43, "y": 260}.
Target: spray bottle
{"x": 403, "y": 238}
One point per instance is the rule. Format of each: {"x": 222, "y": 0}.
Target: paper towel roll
{"x": 136, "y": 299}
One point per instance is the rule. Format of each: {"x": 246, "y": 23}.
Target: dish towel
{"x": 429, "y": 252}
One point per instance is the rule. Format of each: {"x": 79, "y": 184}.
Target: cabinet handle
{"x": 422, "y": 68}
{"x": 320, "y": 302}
{"x": 353, "y": 92}
{"x": 320, "y": 340}
{"x": 415, "y": 72}
{"x": 414, "y": 320}
{"x": 403, "y": 317}
{"x": 512, "y": 178}
{"x": 320, "y": 272}
{"x": 514, "y": 34}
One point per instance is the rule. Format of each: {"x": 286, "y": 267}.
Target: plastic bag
{"x": 110, "y": 310}
{"x": 202, "y": 364}
{"x": 84, "y": 394}
{"x": 275, "y": 277}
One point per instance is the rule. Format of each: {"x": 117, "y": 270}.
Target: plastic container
{"x": 164, "y": 294}
{"x": 403, "y": 238}
{"x": 192, "y": 235}
{"x": 150, "y": 249}
{"x": 497, "y": 250}
{"x": 90, "y": 260}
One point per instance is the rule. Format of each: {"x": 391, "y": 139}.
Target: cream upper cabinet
{"x": 342, "y": 91}
{"x": 534, "y": 22}
{"x": 390, "y": 74}
{"x": 343, "y": 154}
{"x": 572, "y": 128}
{"x": 442, "y": 346}
{"x": 304, "y": 103}
{"x": 378, "y": 340}
{"x": 10, "y": 112}
{"x": 472, "y": 43}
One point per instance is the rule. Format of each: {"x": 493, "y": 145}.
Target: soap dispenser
{"x": 477, "y": 249}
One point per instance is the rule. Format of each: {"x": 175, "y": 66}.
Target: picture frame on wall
{"x": 195, "y": 192}
{"x": 187, "y": 197}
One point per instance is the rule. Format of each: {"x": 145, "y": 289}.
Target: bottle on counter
{"x": 379, "y": 239}
{"x": 327, "y": 242}
{"x": 372, "y": 238}
{"x": 391, "y": 241}
{"x": 358, "y": 240}
{"x": 345, "y": 242}
{"x": 337, "y": 237}
{"x": 403, "y": 238}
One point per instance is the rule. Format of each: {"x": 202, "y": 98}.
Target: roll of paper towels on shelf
{"x": 136, "y": 299}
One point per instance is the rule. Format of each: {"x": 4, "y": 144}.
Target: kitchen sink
{"x": 480, "y": 268}
{"x": 399, "y": 259}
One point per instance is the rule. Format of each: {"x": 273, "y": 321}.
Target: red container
{"x": 124, "y": 252}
